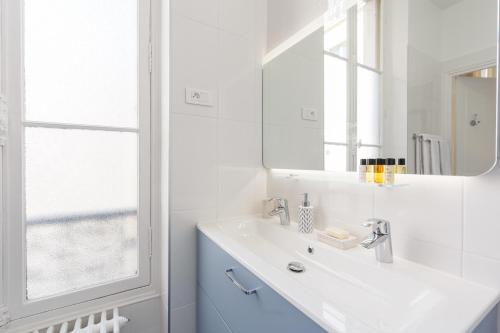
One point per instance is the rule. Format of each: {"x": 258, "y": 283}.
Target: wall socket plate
{"x": 310, "y": 114}
{"x": 198, "y": 97}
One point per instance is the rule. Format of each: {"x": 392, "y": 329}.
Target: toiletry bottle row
{"x": 381, "y": 170}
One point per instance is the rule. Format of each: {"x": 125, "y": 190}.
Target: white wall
{"x": 468, "y": 27}
{"x": 424, "y": 73}
{"x": 475, "y": 152}
{"x": 439, "y": 40}
{"x": 145, "y": 317}
{"x": 286, "y": 17}
{"x": 395, "y": 77}
{"x": 216, "y": 164}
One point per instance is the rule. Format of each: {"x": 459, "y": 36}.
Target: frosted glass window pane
{"x": 81, "y": 61}
{"x": 336, "y": 29}
{"x": 81, "y": 208}
{"x": 368, "y": 152}
{"x": 335, "y": 158}
{"x": 368, "y": 106}
{"x": 368, "y": 31}
{"x": 335, "y": 100}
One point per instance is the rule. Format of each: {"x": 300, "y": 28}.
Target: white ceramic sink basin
{"x": 349, "y": 291}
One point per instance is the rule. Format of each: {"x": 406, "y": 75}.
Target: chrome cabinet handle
{"x": 230, "y": 276}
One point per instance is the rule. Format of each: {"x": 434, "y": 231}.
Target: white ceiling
{"x": 443, "y": 4}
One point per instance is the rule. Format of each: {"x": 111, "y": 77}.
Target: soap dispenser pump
{"x": 306, "y": 216}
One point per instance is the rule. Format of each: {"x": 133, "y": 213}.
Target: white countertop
{"x": 349, "y": 291}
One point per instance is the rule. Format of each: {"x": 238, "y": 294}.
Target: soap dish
{"x": 343, "y": 244}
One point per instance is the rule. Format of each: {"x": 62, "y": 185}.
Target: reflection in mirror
{"x": 413, "y": 80}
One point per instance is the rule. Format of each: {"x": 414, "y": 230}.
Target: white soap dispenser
{"x": 306, "y": 216}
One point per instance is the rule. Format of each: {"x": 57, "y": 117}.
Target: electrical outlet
{"x": 198, "y": 97}
{"x": 309, "y": 114}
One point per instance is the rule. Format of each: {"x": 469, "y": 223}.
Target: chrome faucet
{"x": 380, "y": 239}
{"x": 281, "y": 209}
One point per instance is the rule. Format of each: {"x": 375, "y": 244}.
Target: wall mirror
{"x": 346, "y": 80}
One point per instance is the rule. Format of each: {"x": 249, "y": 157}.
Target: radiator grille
{"x": 108, "y": 321}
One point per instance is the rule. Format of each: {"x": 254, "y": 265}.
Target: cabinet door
{"x": 208, "y": 319}
{"x": 263, "y": 312}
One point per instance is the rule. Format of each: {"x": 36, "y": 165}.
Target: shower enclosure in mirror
{"x": 346, "y": 80}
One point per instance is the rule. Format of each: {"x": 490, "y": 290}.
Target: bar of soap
{"x": 337, "y": 233}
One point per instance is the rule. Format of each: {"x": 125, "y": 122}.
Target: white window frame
{"x": 352, "y": 143}
{"x": 126, "y": 291}
{"x": 4, "y": 314}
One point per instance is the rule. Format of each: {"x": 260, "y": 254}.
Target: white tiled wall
{"x": 216, "y": 168}
{"x": 448, "y": 223}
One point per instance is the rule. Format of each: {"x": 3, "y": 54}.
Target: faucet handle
{"x": 280, "y": 202}
{"x": 379, "y": 226}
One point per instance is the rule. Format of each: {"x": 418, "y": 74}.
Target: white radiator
{"x": 89, "y": 324}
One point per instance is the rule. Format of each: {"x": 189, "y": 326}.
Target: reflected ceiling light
{"x": 294, "y": 39}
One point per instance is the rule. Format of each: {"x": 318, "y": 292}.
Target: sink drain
{"x": 296, "y": 267}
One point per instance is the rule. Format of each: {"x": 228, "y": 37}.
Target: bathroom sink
{"x": 349, "y": 291}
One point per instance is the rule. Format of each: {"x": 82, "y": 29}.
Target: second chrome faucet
{"x": 281, "y": 209}
{"x": 379, "y": 239}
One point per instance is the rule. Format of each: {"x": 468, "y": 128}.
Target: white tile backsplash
{"x": 241, "y": 191}
{"x": 421, "y": 212}
{"x": 482, "y": 212}
{"x": 430, "y": 254}
{"x": 481, "y": 269}
{"x": 448, "y": 223}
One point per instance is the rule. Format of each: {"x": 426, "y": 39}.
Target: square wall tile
{"x": 206, "y": 11}
{"x": 429, "y": 254}
{"x": 183, "y": 320}
{"x": 293, "y": 187}
{"x": 145, "y": 317}
{"x": 237, "y": 78}
{"x": 241, "y": 191}
{"x": 261, "y": 29}
{"x": 429, "y": 209}
{"x": 336, "y": 203}
{"x": 482, "y": 270}
{"x": 349, "y": 206}
{"x": 194, "y": 65}
{"x": 183, "y": 254}
{"x": 481, "y": 215}
{"x": 193, "y": 169}
{"x": 237, "y": 16}
{"x": 239, "y": 144}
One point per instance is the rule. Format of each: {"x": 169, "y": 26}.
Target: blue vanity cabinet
{"x": 223, "y": 304}
{"x": 209, "y": 319}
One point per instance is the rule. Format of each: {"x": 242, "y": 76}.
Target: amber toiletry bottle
{"x": 379, "y": 171}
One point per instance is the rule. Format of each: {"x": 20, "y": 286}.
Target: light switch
{"x": 198, "y": 97}
{"x": 309, "y": 114}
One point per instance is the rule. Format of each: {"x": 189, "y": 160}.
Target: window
{"x": 80, "y": 153}
{"x": 352, "y": 84}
